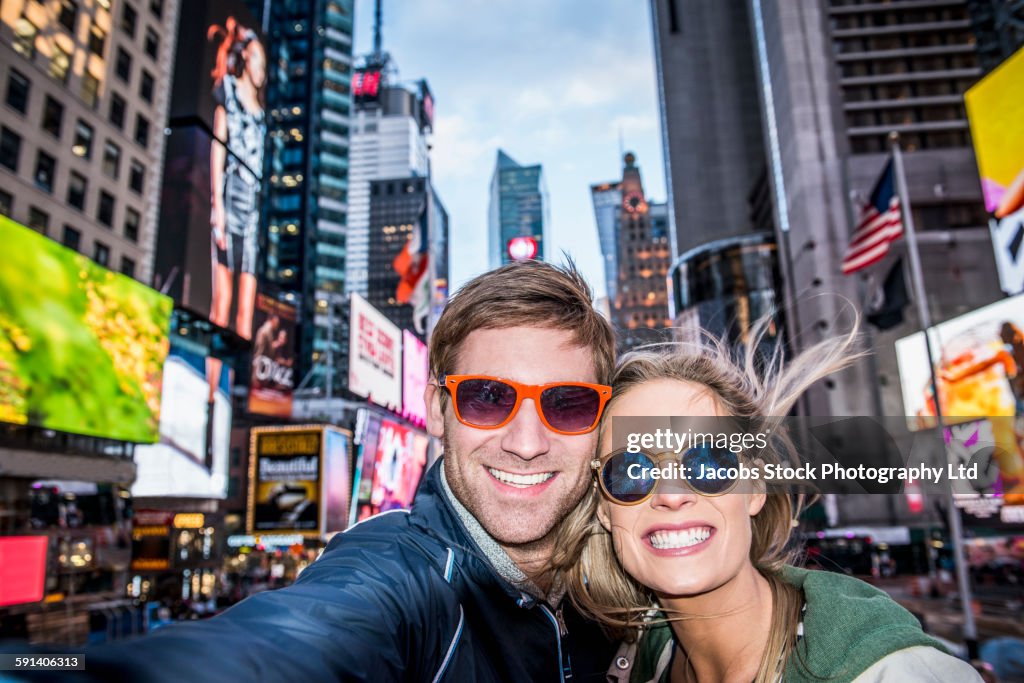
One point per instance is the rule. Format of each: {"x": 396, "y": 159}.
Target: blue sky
{"x": 548, "y": 82}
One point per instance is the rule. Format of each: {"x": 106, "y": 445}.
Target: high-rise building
{"x": 817, "y": 87}
{"x": 309, "y": 101}
{"x": 634, "y": 236}
{"x": 398, "y": 208}
{"x": 389, "y": 140}
{"x": 519, "y": 207}
{"x": 86, "y": 87}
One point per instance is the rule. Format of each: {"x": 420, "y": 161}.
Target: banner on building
{"x": 272, "y": 375}
{"x": 375, "y": 347}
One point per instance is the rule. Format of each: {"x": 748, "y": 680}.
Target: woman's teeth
{"x": 667, "y": 540}
{"x": 521, "y": 481}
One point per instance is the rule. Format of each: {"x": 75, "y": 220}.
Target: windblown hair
{"x": 233, "y": 39}
{"x": 527, "y": 294}
{"x": 745, "y": 387}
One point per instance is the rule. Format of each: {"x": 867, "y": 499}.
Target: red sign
{"x": 522, "y": 248}
{"x": 366, "y": 83}
{"x": 22, "y": 569}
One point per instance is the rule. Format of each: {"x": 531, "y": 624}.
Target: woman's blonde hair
{"x": 745, "y": 386}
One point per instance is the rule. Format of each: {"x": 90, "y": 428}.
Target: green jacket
{"x": 849, "y": 625}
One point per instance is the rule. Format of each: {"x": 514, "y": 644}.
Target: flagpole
{"x": 970, "y": 630}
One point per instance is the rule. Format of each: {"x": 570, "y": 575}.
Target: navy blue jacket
{"x": 404, "y": 596}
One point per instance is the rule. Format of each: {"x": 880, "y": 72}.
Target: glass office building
{"x": 519, "y": 207}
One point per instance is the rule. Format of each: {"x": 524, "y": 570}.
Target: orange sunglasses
{"x": 487, "y": 402}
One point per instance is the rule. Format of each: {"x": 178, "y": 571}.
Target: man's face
{"x": 477, "y": 459}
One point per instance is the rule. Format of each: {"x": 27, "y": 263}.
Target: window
{"x": 141, "y": 130}
{"x": 10, "y": 148}
{"x": 53, "y": 116}
{"x": 105, "y": 211}
{"x": 18, "y": 87}
{"x": 131, "y": 224}
{"x": 152, "y": 45}
{"x": 25, "y": 38}
{"x": 123, "y": 65}
{"x": 101, "y": 253}
{"x": 146, "y": 86}
{"x": 117, "y": 107}
{"x": 111, "y": 159}
{"x": 157, "y": 8}
{"x": 72, "y": 238}
{"x": 97, "y": 40}
{"x": 60, "y": 63}
{"x": 46, "y": 167}
{"x": 38, "y": 220}
{"x": 82, "y": 146}
{"x": 136, "y": 177}
{"x": 77, "y": 186}
{"x": 6, "y": 203}
{"x": 90, "y": 89}
{"x": 68, "y": 14}
{"x": 129, "y": 18}
{"x": 127, "y": 266}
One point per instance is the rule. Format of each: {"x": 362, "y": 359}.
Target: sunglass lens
{"x": 570, "y": 408}
{"x": 627, "y": 476}
{"x": 485, "y": 402}
{"x": 709, "y": 469}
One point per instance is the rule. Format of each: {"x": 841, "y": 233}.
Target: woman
{"x": 733, "y": 606}
{"x": 238, "y": 121}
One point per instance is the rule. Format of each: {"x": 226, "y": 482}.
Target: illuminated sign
{"x": 414, "y": 378}
{"x": 22, "y": 569}
{"x": 189, "y": 520}
{"x": 522, "y": 248}
{"x": 375, "y": 347}
{"x": 366, "y": 84}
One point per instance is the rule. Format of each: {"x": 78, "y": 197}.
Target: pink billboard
{"x": 414, "y": 378}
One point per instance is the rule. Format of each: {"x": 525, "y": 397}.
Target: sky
{"x": 553, "y": 83}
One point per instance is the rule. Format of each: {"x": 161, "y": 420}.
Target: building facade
{"x": 86, "y": 88}
{"x": 519, "y": 207}
{"x": 825, "y": 83}
{"x": 635, "y": 241}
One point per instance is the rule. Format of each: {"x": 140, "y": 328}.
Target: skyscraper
{"x": 309, "y": 102}
{"x": 849, "y": 74}
{"x": 389, "y": 140}
{"x": 86, "y": 91}
{"x": 519, "y": 207}
{"x": 634, "y": 236}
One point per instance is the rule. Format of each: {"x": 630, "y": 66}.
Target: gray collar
{"x": 496, "y": 555}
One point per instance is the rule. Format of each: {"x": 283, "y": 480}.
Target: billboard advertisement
{"x": 979, "y": 368}
{"x": 221, "y": 64}
{"x": 272, "y": 375}
{"x": 995, "y": 107}
{"x": 374, "y": 367}
{"x": 181, "y": 464}
{"x": 299, "y": 480}
{"x": 208, "y": 241}
{"x": 82, "y": 348}
{"x": 414, "y": 378}
{"x": 337, "y": 479}
{"x": 22, "y": 569}
{"x": 393, "y": 463}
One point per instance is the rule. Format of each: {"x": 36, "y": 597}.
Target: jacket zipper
{"x": 565, "y": 671}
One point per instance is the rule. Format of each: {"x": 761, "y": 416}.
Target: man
{"x": 454, "y": 589}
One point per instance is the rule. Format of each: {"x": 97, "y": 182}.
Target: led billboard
{"x": 22, "y": 569}
{"x": 272, "y": 375}
{"x": 979, "y": 367}
{"x": 81, "y": 348}
{"x": 394, "y": 457}
{"x": 375, "y": 346}
{"x": 414, "y": 378}
{"x": 299, "y": 480}
{"x": 995, "y": 107}
{"x": 181, "y": 464}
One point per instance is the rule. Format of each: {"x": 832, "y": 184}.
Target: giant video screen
{"x": 995, "y": 106}
{"x": 191, "y": 458}
{"x": 82, "y": 348}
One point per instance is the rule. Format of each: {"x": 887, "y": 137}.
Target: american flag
{"x": 879, "y": 225}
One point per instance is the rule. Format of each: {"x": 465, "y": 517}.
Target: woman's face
{"x": 677, "y": 542}
{"x": 255, "y": 63}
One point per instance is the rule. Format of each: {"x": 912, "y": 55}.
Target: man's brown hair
{"x": 523, "y": 294}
